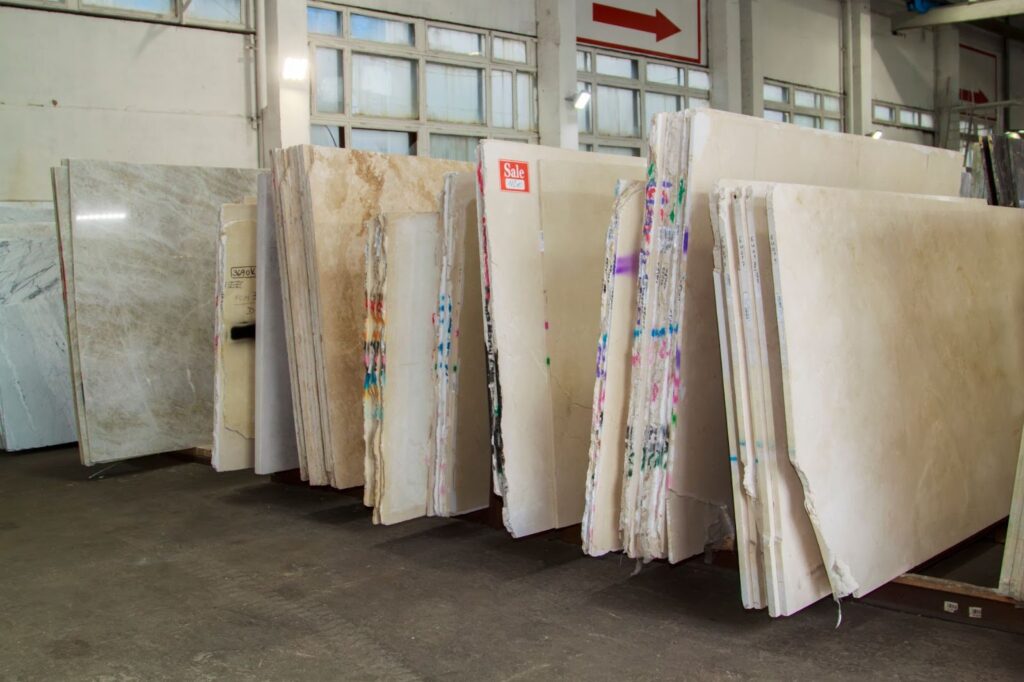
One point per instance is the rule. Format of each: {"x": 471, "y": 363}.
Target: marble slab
{"x": 276, "y": 447}
{"x": 900, "y": 329}
{"x": 235, "y": 340}
{"x": 1011, "y": 577}
{"x": 462, "y": 462}
{"x": 542, "y": 252}
{"x": 327, "y": 196}
{"x": 36, "y": 405}
{"x": 603, "y": 507}
{"x": 678, "y": 418}
{"x": 144, "y": 243}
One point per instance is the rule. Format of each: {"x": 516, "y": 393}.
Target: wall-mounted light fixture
{"x": 580, "y": 100}
{"x": 295, "y": 69}
{"x": 877, "y": 135}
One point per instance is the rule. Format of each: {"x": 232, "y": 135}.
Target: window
{"x": 627, "y": 91}
{"x": 230, "y": 15}
{"x": 805, "y": 107}
{"x": 901, "y": 116}
{"x": 411, "y": 86}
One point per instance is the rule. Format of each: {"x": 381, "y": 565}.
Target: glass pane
{"x": 807, "y": 121}
{"x": 153, "y": 6}
{"x": 453, "y": 147}
{"x": 325, "y": 136}
{"x": 618, "y": 111}
{"x": 700, "y": 80}
{"x": 805, "y": 99}
{"x": 617, "y": 66}
{"x": 501, "y": 99}
{"x": 697, "y": 103}
{"x": 329, "y": 91}
{"x": 384, "y": 86}
{"x": 583, "y": 116}
{"x": 450, "y": 40}
{"x": 384, "y": 141}
{"x": 382, "y": 30}
{"x": 660, "y": 73}
{"x": 927, "y": 121}
{"x": 323, "y": 21}
{"x": 883, "y": 113}
{"x": 509, "y": 50}
{"x": 656, "y": 103}
{"x": 226, "y": 11}
{"x": 775, "y": 93}
{"x": 831, "y": 103}
{"x": 773, "y": 115}
{"x": 618, "y": 151}
{"x": 833, "y": 124}
{"x": 907, "y": 117}
{"x": 455, "y": 93}
{"x": 586, "y": 147}
{"x": 526, "y": 102}
{"x": 582, "y": 61}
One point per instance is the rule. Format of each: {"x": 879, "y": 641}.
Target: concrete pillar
{"x": 285, "y": 117}
{"x": 725, "y": 55}
{"x": 857, "y": 65}
{"x": 752, "y": 76}
{"x": 556, "y": 73}
{"x": 947, "y": 86}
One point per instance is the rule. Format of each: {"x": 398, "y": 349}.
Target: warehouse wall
{"x": 799, "y": 41}
{"x": 902, "y": 72}
{"x": 514, "y": 16}
{"x": 1015, "y": 59}
{"x": 77, "y": 86}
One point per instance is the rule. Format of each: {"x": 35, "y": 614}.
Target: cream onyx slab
{"x": 1011, "y": 577}
{"x": 900, "y": 329}
{"x": 544, "y": 214}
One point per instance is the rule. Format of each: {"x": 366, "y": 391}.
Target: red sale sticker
{"x": 515, "y": 176}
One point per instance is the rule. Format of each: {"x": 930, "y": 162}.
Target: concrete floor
{"x": 167, "y": 570}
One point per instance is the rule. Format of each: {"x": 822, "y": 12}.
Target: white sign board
{"x": 670, "y": 29}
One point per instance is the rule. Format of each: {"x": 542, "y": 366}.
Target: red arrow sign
{"x": 659, "y": 24}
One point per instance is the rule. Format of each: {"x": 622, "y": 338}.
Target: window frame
{"x": 593, "y": 140}
{"x": 790, "y": 110}
{"x": 421, "y": 126}
{"x": 176, "y": 17}
{"x": 897, "y": 109}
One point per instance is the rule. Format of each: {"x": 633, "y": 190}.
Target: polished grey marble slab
{"x": 26, "y": 212}
{"x": 144, "y": 243}
{"x": 35, "y": 383}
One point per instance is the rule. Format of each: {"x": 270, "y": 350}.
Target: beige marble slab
{"x": 600, "y": 530}
{"x": 234, "y": 431}
{"x": 1011, "y": 577}
{"x": 462, "y": 463}
{"x": 543, "y": 251}
{"x": 899, "y": 320}
{"x": 144, "y": 262}
{"x": 723, "y": 145}
{"x": 332, "y": 194}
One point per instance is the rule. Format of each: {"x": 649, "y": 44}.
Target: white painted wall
{"x": 799, "y": 41}
{"x": 73, "y": 86}
{"x": 902, "y": 66}
{"x": 514, "y": 16}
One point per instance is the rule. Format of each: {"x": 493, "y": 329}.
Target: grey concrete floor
{"x": 168, "y": 570}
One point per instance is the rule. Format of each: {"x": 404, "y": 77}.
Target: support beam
{"x": 725, "y": 55}
{"x": 958, "y": 14}
{"x": 556, "y": 69}
{"x": 857, "y": 65}
{"x": 286, "y": 115}
{"x": 752, "y": 75}
{"x": 947, "y": 86}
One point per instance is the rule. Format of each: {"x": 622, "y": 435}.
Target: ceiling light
{"x": 580, "y": 100}
{"x": 295, "y": 68}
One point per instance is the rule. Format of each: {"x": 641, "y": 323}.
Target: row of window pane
{"x": 804, "y": 120}
{"x": 620, "y": 109}
{"x": 442, "y": 146}
{"x": 663, "y": 74}
{"x": 387, "y": 86}
{"x": 380, "y": 30}
{"x": 911, "y": 118}
{"x": 226, "y": 11}
{"x": 806, "y": 99}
